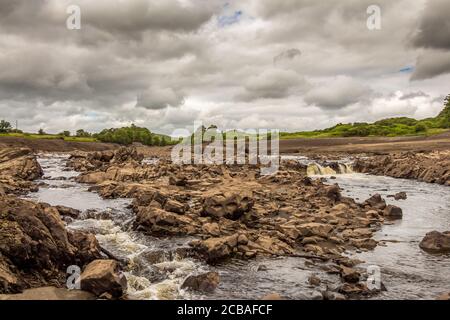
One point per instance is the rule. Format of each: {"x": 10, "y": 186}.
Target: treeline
{"x": 129, "y": 135}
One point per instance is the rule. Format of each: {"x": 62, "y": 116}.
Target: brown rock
{"x": 272, "y": 297}
{"x": 376, "y": 201}
{"x": 231, "y": 205}
{"x": 102, "y": 277}
{"x": 393, "y": 212}
{"x": 175, "y": 206}
{"x": 436, "y": 242}
{"x": 207, "y": 282}
{"x": 349, "y": 275}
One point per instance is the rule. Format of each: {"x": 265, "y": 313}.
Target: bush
{"x": 5, "y": 126}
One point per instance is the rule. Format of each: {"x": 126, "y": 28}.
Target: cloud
{"x": 164, "y": 64}
{"x": 289, "y": 54}
{"x": 431, "y": 64}
{"x": 338, "y": 93}
{"x": 434, "y": 29}
{"x": 159, "y": 98}
{"x": 272, "y": 84}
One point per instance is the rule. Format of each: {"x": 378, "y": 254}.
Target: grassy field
{"x": 47, "y": 136}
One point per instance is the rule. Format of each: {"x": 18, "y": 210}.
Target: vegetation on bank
{"x": 125, "y": 136}
{"x": 391, "y": 127}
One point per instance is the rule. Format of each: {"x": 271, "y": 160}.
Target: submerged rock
{"x": 436, "y": 242}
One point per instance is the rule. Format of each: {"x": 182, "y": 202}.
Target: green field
{"x": 47, "y": 136}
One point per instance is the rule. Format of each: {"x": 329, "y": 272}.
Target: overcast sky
{"x": 286, "y": 64}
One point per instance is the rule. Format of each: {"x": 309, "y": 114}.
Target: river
{"x": 156, "y": 271}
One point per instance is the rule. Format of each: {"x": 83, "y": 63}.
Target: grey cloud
{"x": 430, "y": 64}
{"x": 272, "y": 84}
{"x": 413, "y": 95}
{"x": 289, "y": 54}
{"x": 434, "y": 29}
{"x": 159, "y": 98}
{"x": 338, "y": 93}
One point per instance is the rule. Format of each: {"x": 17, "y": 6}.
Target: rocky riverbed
{"x": 431, "y": 167}
{"x": 174, "y": 229}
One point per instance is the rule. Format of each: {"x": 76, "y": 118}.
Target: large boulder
{"x": 228, "y": 204}
{"x": 35, "y": 246}
{"x": 103, "y": 278}
{"x": 207, "y": 282}
{"x": 436, "y": 242}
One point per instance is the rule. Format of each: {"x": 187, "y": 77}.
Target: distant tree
{"x": 5, "y": 126}
{"x": 41, "y": 132}
{"x": 65, "y": 134}
{"x": 81, "y": 133}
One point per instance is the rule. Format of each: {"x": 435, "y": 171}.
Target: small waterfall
{"x": 315, "y": 169}
{"x": 345, "y": 168}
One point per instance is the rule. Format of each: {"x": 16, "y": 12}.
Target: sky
{"x": 291, "y": 65}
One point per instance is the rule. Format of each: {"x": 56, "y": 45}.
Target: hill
{"x": 392, "y": 127}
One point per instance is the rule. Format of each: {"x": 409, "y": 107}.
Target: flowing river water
{"x": 155, "y": 270}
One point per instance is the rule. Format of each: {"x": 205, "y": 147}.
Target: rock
{"x": 315, "y": 229}
{"x": 231, "y": 205}
{"x": 432, "y": 167}
{"x": 207, "y": 282}
{"x": 174, "y": 206}
{"x": 216, "y": 249}
{"x": 272, "y": 297}
{"x": 393, "y": 212}
{"x": 211, "y": 228}
{"x": 228, "y": 204}
{"x": 161, "y": 222}
{"x": 35, "y": 247}
{"x": 330, "y": 295}
{"x": 399, "y": 196}
{"x": 69, "y": 212}
{"x": 313, "y": 280}
{"x": 49, "y": 293}
{"x": 333, "y": 192}
{"x": 102, "y": 277}
{"x": 444, "y": 296}
{"x": 349, "y": 275}
{"x": 436, "y": 242}
{"x": 376, "y": 201}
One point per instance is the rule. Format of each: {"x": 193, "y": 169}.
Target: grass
{"x": 392, "y": 127}
{"x": 47, "y": 136}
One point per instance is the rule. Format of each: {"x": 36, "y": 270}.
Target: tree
{"x": 81, "y": 133}
{"x": 41, "y": 132}
{"x": 5, "y": 126}
{"x": 65, "y": 134}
